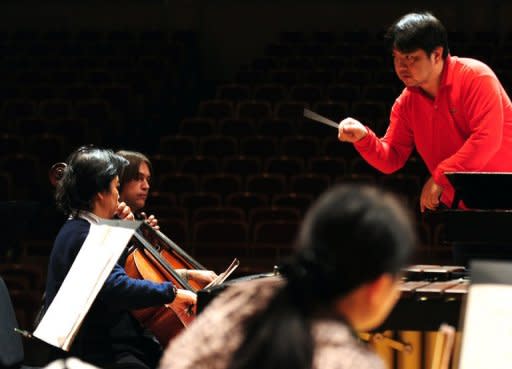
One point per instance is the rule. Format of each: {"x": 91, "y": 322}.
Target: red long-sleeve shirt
{"x": 467, "y": 127}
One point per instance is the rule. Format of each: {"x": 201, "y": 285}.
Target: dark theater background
{"x": 213, "y": 92}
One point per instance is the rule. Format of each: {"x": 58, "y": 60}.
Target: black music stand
{"x": 482, "y": 190}
{"x": 205, "y": 296}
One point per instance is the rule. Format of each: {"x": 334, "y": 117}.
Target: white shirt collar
{"x": 88, "y": 216}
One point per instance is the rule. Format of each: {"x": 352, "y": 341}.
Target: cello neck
{"x": 160, "y": 240}
{"x": 161, "y": 261}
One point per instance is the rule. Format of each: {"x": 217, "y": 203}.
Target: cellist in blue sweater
{"x": 109, "y": 336}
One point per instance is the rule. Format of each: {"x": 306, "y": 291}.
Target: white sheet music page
{"x": 96, "y": 259}
{"x": 487, "y": 329}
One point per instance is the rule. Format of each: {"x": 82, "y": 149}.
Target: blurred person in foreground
{"x": 342, "y": 278}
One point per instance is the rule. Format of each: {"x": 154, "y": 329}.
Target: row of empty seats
{"x": 309, "y": 92}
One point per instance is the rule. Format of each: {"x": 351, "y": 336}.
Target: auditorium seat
{"x": 291, "y": 110}
{"x": 286, "y": 165}
{"x": 11, "y": 144}
{"x": 300, "y": 146}
{"x": 6, "y": 189}
{"x": 218, "y": 213}
{"x": 309, "y": 183}
{"x": 163, "y": 163}
{"x": 358, "y": 165}
{"x": 160, "y": 199}
{"x": 176, "y": 230}
{"x": 261, "y": 146}
{"x": 334, "y": 110}
{"x": 276, "y": 128}
{"x": 263, "y": 213}
{"x": 343, "y": 92}
{"x": 55, "y": 109}
{"x": 271, "y": 92}
{"x": 48, "y": 148}
{"x": 328, "y": 165}
{"x": 276, "y": 232}
{"x": 254, "y": 110}
{"x": 233, "y": 92}
{"x": 266, "y": 183}
{"x": 221, "y": 183}
{"x": 218, "y": 146}
{"x": 265, "y": 63}
{"x": 220, "y": 238}
{"x": 306, "y": 92}
{"x": 286, "y": 77}
{"x": 236, "y": 127}
{"x": 195, "y": 200}
{"x": 241, "y": 165}
{"x": 177, "y": 183}
{"x": 22, "y": 167}
{"x": 216, "y": 109}
{"x": 299, "y": 201}
{"x": 178, "y": 146}
{"x": 197, "y": 127}
{"x": 247, "y": 200}
{"x": 199, "y": 165}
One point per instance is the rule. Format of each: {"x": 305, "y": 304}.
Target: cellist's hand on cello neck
{"x": 151, "y": 220}
{"x": 184, "y": 304}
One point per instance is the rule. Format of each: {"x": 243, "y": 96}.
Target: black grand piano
{"x": 483, "y": 230}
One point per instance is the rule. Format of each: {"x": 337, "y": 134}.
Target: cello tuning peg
{"x": 56, "y": 172}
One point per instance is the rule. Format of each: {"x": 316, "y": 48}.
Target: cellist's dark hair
{"x": 89, "y": 170}
{"x": 350, "y": 236}
{"x": 131, "y": 171}
{"x": 415, "y": 31}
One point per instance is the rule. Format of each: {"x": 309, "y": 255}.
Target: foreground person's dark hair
{"x": 350, "y": 236}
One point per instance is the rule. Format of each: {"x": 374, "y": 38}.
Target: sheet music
{"x": 224, "y": 275}
{"x": 487, "y": 329}
{"x": 96, "y": 259}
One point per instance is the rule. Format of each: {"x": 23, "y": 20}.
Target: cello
{"x": 170, "y": 251}
{"x": 145, "y": 262}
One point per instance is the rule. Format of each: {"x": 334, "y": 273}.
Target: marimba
{"x": 431, "y": 295}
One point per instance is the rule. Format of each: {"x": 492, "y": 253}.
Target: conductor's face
{"x": 416, "y": 68}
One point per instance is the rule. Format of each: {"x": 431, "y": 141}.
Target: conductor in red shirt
{"x": 453, "y": 111}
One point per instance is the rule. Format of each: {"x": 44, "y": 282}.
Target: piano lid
{"x": 482, "y": 190}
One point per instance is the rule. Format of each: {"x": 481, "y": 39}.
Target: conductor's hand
{"x": 430, "y": 195}
{"x": 124, "y": 212}
{"x": 351, "y": 130}
{"x": 184, "y": 304}
{"x": 151, "y": 220}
